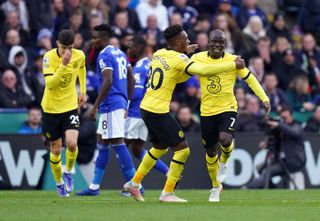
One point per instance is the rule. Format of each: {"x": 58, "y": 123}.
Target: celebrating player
{"x": 168, "y": 67}
{"x": 136, "y": 131}
{"x": 61, "y": 67}
{"x": 116, "y": 85}
{"x": 219, "y": 108}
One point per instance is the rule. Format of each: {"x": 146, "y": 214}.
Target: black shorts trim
{"x": 164, "y": 130}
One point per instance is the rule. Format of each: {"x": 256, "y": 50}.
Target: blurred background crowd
{"x": 278, "y": 39}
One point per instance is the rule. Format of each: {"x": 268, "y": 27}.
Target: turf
{"x": 110, "y": 206}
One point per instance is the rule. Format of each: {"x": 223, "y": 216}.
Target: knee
{"x": 72, "y": 145}
{"x": 211, "y": 152}
{"x": 225, "y": 140}
{"x": 55, "y": 148}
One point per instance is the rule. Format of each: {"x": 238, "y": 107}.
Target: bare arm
{"x": 106, "y": 85}
{"x": 131, "y": 82}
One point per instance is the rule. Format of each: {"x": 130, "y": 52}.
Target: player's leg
{"x": 102, "y": 158}
{"x": 53, "y": 132}
{"x": 209, "y": 140}
{"x": 226, "y": 132}
{"x": 136, "y": 134}
{"x": 70, "y": 125}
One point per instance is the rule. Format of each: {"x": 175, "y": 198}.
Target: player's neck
{"x": 215, "y": 56}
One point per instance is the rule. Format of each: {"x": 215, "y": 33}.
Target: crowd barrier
{"x": 24, "y": 164}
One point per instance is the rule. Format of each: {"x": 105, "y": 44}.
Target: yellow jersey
{"x": 167, "y": 68}
{"x": 60, "y": 93}
{"x": 217, "y": 94}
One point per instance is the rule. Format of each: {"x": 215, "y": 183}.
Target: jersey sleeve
{"x": 181, "y": 62}
{"x": 47, "y": 65}
{"x": 105, "y": 62}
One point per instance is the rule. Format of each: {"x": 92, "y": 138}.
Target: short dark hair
{"x": 172, "y": 31}
{"x": 139, "y": 41}
{"x": 285, "y": 108}
{"x": 104, "y": 29}
{"x": 66, "y": 37}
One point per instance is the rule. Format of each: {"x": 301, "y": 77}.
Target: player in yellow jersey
{"x": 168, "y": 67}
{"x": 61, "y": 68}
{"x": 219, "y": 108}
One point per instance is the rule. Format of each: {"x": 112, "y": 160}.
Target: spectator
{"x": 188, "y": 13}
{"x": 202, "y": 41}
{"x": 96, "y": 7}
{"x": 278, "y": 28}
{"x": 121, "y": 25}
{"x": 33, "y": 124}
{"x": 252, "y": 33}
{"x": 13, "y": 22}
{"x": 248, "y": 9}
{"x": 122, "y": 6}
{"x": 152, "y": 33}
{"x": 185, "y": 119}
{"x": 287, "y": 69}
{"x": 18, "y": 61}
{"x": 256, "y": 66}
{"x": 37, "y": 68}
{"x": 250, "y": 119}
{"x": 44, "y": 39}
{"x": 176, "y": 19}
{"x": 309, "y": 16}
{"x": 92, "y": 86}
{"x": 313, "y": 123}
{"x": 12, "y": 39}
{"x": 59, "y": 16}
{"x": 263, "y": 50}
{"x": 77, "y": 22}
{"x": 225, "y": 7}
{"x": 298, "y": 94}
{"x": 240, "y": 94}
{"x": 12, "y": 96}
{"x": 309, "y": 59}
{"x": 78, "y": 41}
{"x": 191, "y": 95}
{"x": 278, "y": 48}
{"x": 233, "y": 34}
{"x": 153, "y": 7}
{"x": 276, "y": 95}
{"x": 20, "y": 7}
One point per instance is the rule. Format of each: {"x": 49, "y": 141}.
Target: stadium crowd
{"x": 276, "y": 38}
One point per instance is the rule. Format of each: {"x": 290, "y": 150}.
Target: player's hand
{"x": 239, "y": 62}
{"x": 93, "y": 112}
{"x": 267, "y": 106}
{"x": 66, "y": 57}
{"x": 272, "y": 124}
{"x": 82, "y": 99}
{"x": 192, "y": 48}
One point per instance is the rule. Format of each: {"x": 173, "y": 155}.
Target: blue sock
{"x": 160, "y": 165}
{"x": 125, "y": 161}
{"x": 101, "y": 163}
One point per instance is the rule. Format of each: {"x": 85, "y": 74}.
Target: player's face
{"x": 63, "y": 48}
{"x": 183, "y": 41}
{"x": 216, "y": 45}
{"x": 134, "y": 51}
{"x": 96, "y": 41}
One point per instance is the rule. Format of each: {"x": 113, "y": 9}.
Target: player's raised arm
{"x": 52, "y": 78}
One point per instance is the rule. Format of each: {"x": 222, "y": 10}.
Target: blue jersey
{"x": 113, "y": 59}
{"x": 141, "y": 72}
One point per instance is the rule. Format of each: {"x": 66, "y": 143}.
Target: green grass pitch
{"x": 235, "y": 205}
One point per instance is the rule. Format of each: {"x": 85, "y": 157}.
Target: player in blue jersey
{"x": 115, "y": 86}
{"x": 136, "y": 131}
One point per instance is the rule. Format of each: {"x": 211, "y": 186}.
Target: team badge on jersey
{"x": 45, "y": 62}
{"x": 184, "y": 57}
{"x": 75, "y": 65}
{"x": 102, "y": 64}
{"x": 181, "y": 134}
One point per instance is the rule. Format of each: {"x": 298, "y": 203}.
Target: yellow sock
{"x": 55, "y": 162}
{"x": 176, "y": 167}
{"x": 147, "y": 163}
{"x": 71, "y": 159}
{"x": 213, "y": 169}
{"x": 226, "y": 153}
